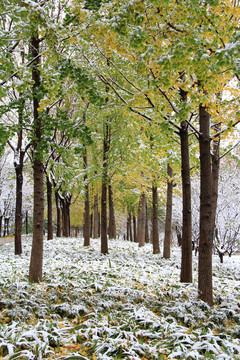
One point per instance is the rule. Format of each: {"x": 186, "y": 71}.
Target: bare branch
{"x": 233, "y": 147}
{"x": 164, "y": 94}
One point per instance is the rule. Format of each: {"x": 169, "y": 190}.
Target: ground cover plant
{"x": 128, "y": 304}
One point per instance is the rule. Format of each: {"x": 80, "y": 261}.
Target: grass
{"x": 128, "y": 304}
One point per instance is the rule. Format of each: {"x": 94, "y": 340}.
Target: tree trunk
{"x": 134, "y": 229}
{"x": 146, "y": 226}
{"x": 18, "y": 210}
{"x": 64, "y": 218}
{"x": 58, "y": 208}
{"x": 130, "y": 227}
{"x": 19, "y": 183}
{"x": 35, "y": 270}
{"x": 95, "y": 217}
{"x": 65, "y": 202}
{"x": 155, "y": 235}
{"x": 99, "y": 224}
{"x": 168, "y": 221}
{"x": 112, "y": 222}
{"x": 7, "y": 226}
{"x": 86, "y": 231}
{"x": 186, "y": 264}
{"x": 206, "y": 238}
{"x": 215, "y": 175}
{"x": 26, "y": 222}
{"x": 91, "y": 225}
{"x": 76, "y": 231}
{"x": 104, "y": 239}
{"x": 220, "y": 254}
{"x": 141, "y": 227}
{"x": 49, "y": 205}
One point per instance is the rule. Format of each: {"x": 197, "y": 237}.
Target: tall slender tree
{"x": 155, "y": 235}
{"x": 104, "y": 237}
{"x": 35, "y": 270}
{"x": 206, "y": 234}
{"x": 168, "y": 221}
{"x": 186, "y": 261}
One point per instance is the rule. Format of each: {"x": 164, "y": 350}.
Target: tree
{"x": 206, "y": 235}
{"x": 104, "y": 239}
{"x": 141, "y": 224}
{"x": 86, "y": 232}
{"x": 112, "y": 222}
{"x": 186, "y": 243}
{"x": 168, "y": 222}
{"x": 20, "y": 150}
{"x": 49, "y": 206}
{"x": 155, "y": 235}
{"x": 35, "y": 270}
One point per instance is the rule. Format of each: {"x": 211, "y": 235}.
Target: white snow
{"x": 128, "y": 303}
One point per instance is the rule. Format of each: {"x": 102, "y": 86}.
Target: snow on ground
{"x": 128, "y": 304}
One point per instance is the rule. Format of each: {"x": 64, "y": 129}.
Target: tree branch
{"x": 233, "y": 147}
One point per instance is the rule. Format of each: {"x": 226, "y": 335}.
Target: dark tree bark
{"x": 155, "y": 235}
{"x": 65, "y": 204}
{"x": 76, "y": 231}
{"x": 18, "y": 165}
{"x": 134, "y": 229}
{"x": 146, "y": 226}
{"x": 86, "y": 231}
{"x": 35, "y": 270}
{"x": 168, "y": 221}
{"x": 179, "y": 236}
{"x": 49, "y": 205}
{"x": 91, "y": 225}
{"x": 215, "y": 175}
{"x": 18, "y": 209}
{"x": 141, "y": 226}
{"x": 95, "y": 217}
{"x": 130, "y": 227}
{"x": 6, "y": 227}
{"x": 99, "y": 224}
{"x": 206, "y": 236}
{"x": 58, "y": 208}
{"x": 1, "y": 218}
{"x": 112, "y": 222}
{"x": 186, "y": 263}
{"x": 26, "y": 222}
{"x": 104, "y": 239}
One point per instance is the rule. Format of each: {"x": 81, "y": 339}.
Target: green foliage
{"x": 83, "y": 133}
{"x": 92, "y": 4}
{"x": 84, "y": 81}
{"x": 4, "y": 136}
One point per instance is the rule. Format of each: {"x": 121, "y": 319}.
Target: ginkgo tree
{"x": 167, "y": 40}
{"x": 161, "y": 65}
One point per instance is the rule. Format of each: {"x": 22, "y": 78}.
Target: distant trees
{"x": 227, "y": 231}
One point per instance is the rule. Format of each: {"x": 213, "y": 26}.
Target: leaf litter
{"x": 128, "y": 304}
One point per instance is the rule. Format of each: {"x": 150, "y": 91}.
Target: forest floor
{"x": 6, "y": 239}
{"x": 128, "y": 304}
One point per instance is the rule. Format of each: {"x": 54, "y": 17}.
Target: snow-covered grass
{"x": 125, "y": 305}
